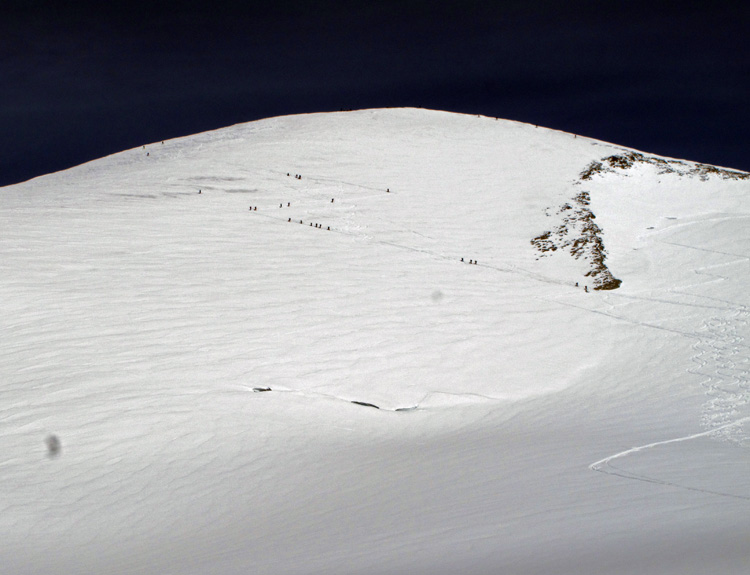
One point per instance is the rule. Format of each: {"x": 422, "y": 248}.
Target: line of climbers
{"x": 319, "y": 226}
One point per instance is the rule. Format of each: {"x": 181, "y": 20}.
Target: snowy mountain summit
{"x": 380, "y": 341}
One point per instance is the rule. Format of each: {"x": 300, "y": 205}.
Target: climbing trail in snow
{"x": 353, "y": 230}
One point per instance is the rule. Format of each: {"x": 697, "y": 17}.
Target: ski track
{"x": 605, "y": 465}
{"x": 720, "y": 357}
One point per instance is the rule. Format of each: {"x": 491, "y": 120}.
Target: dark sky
{"x": 88, "y": 79}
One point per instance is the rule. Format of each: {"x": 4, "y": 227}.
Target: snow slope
{"x": 524, "y": 425}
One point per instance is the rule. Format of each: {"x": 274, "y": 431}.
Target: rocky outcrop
{"x": 580, "y": 236}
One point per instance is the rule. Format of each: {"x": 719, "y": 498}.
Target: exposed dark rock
{"x": 366, "y": 404}
{"x": 579, "y": 235}
{"x": 627, "y": 160}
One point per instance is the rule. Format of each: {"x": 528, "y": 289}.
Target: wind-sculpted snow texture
{"x": 325, "y": 344}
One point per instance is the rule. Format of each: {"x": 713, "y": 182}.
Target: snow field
{"x": 140, "y": 315}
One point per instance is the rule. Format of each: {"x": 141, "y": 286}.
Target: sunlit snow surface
{"x": 525, "y": 425}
